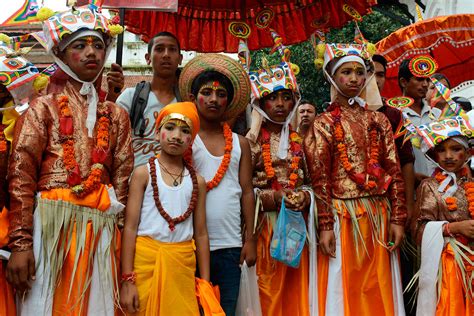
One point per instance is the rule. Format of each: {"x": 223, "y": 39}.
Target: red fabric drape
{"x": 202, "y": 25}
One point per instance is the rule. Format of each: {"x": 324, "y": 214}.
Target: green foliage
{"x": 313, "y": 86}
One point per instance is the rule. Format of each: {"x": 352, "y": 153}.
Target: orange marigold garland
{"x": 373, "y": 168}
{"x": 66, "y": 128}
{"x": 3, "y": 141}
{"x": 225, "y": 160}
{"x": 451, "y": 201}
{"x": 296, "y": 156}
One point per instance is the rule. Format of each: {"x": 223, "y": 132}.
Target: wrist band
{"x": 447, "y": 231}
{"x": 129, "y": 277}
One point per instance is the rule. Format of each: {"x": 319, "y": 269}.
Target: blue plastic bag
{"x": 289, "y": 235}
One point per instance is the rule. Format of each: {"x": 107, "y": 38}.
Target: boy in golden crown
{"x": 68, "y": 177}
{"x": 444, "y": 227}
{"x": 357, "y": 179}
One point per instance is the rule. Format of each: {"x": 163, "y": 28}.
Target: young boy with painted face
{"x": 68, "y": 176}
{"x": 165, "y": 213}
{"x": 220, "y": 88}
{"x": 279, "y": 171}
{"x": 20, "y": 82}
{"x": 445, "y": 222}
{"x": 357, "y": 179}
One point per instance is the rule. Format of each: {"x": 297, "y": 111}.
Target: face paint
{"x": 89, "y": 40}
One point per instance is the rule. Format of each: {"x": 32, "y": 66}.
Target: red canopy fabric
{"x": 202, "y": 25}
{"x": 448, "y": 39}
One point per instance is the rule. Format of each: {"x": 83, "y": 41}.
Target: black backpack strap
{"x": 139, "y": 102}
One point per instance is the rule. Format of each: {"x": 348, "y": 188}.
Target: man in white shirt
{"x": 418, "y": 113}
{"x": 164, "y": 55}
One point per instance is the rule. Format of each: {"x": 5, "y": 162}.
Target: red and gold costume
{"x": 283, "y": 290}
{"x": 37, "y": 166}
{"x": 363, "y": 215}
{"x": 357, "y": 181}
{"x": 447, "y": 270}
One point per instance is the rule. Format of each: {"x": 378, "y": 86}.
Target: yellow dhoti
{"x": 165, "y": 277}
{"x": 283, "y": 290}
{"x": 365, "y": 269}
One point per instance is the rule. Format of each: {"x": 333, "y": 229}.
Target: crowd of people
{"x": 148, "y": 202}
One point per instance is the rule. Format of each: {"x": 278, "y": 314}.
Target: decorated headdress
{"x": 225, "y": 66}
{"x": 269, "y": 79}
{"x": 58, "y": 31}
{"x": 17, "y": 74}
{"x": 428, "y": 136}
{"x": 183, "y": 111}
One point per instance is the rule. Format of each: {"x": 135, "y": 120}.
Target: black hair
{"x": 404, "y": 72}
{"x": 438, "y": 76}
{"x": 381, "y": 60}
{"x": 304, "y": 101}
{"x": 212, "y": 75}
{"x": 167, "y": 34}
{"x": 464, "y": 103}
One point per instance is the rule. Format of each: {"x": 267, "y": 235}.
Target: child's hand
{"x": 21, "y": 270}
{"x": 296, "y": 200}
{"x": 129, "y": 297}
{"x": 465, "y": 228}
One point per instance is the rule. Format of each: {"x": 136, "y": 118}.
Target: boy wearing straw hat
{"x": 220, "y": 88}
{"x": 68, "y": 178}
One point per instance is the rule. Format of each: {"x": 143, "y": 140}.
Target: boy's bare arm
{"x": 249, "y": 249}
{"x": 128, "y": 293}
{"x": 137, "y": 189}
{"x": 200, "y": 232}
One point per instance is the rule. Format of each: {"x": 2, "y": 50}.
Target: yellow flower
{"x": 115, "y": 29}
{"x": 44, "y": 13}
{"x": 5, "y": 38}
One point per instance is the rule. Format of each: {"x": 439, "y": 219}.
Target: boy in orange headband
{"x": 165, "y": 212}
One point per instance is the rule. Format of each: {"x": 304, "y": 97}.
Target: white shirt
{"x": 422, "y": 164}
{"x": 146, "y": 146}
{"x": 223, "y": 208}
{"x": 175, "y": 201}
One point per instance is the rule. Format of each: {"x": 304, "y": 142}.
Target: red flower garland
{"x": 192, "y": 204}
{"x": 296, "y": 153}
{"x": 225, "y": 160}
{"x": 79, "y": 187}
{"x": 373, "y": 168}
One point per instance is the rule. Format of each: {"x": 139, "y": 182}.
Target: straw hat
{"x": 227, "y": 67}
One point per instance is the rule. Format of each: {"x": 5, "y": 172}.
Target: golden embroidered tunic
{"x": 430, "y": 206}
{"x": 281, "y": 167}
{"x": 37, "y": 163}
{"x": 328, "y": 176}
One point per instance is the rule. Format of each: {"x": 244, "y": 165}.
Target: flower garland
{"x": 296, "y": 153}
{"x": 192, "y": 204}
{"x": 3, "y": 141}
{"x": 451, "y": 201}
{"x": 66, "y": 128}
{"x": 373, "y": 167}
{"x": 225, "y": 160}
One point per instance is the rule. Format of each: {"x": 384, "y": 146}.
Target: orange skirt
{"x": 454, "y": 300}
{"x": 366, "y": 272}
{"x": 7, "y": 299}
{"x": 283, "y": 290}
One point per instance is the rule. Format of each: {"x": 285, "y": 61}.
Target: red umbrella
{"x": 448, "y": 39}
{"x": 202, "y": 25}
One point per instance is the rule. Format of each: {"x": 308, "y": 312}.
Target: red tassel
{"x": 99, "y": 155}
{"x": 66, "y": 126}
{"x": 74, "y": 178}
